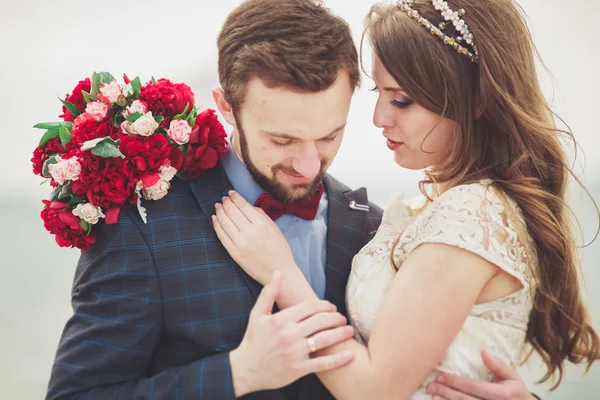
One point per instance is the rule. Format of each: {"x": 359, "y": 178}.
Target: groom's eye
{"x": 282, "y": 144}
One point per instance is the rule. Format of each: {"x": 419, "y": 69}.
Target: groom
{"x": 159, "y": 307}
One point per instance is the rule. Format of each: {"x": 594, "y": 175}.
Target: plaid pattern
{"x": 157, "y": 307}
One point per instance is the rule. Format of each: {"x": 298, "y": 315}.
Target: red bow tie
{"x": 306, "y": 209}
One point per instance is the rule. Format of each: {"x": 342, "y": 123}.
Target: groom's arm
{"x": 107, "y": 345}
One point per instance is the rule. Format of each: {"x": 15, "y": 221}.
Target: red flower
{"x": 103, "y": 181}
{"x": 88, "y": 129}
{"x": 59, "y": 220}
{"x": 167, "y": 99}
{"x": 41, "y": 154}
{"x": 144, "y": 154}
{"x": 76, "y": 98}
{"x": 208, "y": 143}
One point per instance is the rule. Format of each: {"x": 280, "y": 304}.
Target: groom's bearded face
{"x": 287, "y": 140}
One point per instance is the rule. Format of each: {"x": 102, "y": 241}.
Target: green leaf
{"x": 115, "y": 119}
{"x": 192, "y": 117}
{"x": 136, "y": 84}
{"x": 134, "y": 116}
{"x": 55, "y": 193}
{"x": 179, "y": 116}
{"x": 84, "y": 225}
{"x": 47, "y": 125}
{"x": 44, "y": 181}
{"x": 153, "y": 80}
{"x": 162, "y": 131}
{"x": 184, "y": 149}
{"x": 74, "y": 200}
{"x": 86, "y": 96}
{"x": 71, "y": 107}
{"x": 159, "y": 118}
{"x": 50, "y": 134}
{"x": 107, "y": 148}
{"x": 65, "y": 135}
{"x": 95, "y": 84}
{"x": 106, "y": 77}
{"x": 51, "y": 160}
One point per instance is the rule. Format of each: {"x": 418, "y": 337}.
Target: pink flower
{"x": 136, "y": 106}
{"x": 157, "y": 191}
{"x": 98, "y": 109}
{"x": 65, "y": 170}
{"x": 167, "y": 172}
{"x": 180, "y": 131}
{"x": 88, "y": 212}
{"x": 111, "y": 92}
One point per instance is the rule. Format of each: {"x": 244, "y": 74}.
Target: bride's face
{"x": 418, "y": 137}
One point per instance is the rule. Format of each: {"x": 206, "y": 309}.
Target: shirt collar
{"x": 240, "y": 177}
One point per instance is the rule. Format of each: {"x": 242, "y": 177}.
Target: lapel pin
{"x": 359, "y": 207}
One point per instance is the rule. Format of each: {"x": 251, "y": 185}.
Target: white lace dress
{"x": 476, "y": 218}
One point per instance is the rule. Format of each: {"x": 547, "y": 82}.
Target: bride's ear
{"x": 223, "y": 106}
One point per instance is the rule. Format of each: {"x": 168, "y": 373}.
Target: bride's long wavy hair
{"x": 505, "y": 132}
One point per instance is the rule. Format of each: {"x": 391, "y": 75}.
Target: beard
{"x": 286, "y": 193}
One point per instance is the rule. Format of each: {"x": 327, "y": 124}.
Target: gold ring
{"x": 312, "y": 345}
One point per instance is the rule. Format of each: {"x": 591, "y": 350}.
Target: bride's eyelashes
{"x": 401, "y": 104}
{"x": 396, "y": 103}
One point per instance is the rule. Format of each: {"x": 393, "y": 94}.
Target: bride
{"x": 486, "y": 259}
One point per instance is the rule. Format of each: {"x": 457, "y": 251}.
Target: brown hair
{"x": 514, "y": 142}
{"x": 297, "y": 44}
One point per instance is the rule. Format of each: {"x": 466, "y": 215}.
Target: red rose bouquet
{"x": 119, "y": 144}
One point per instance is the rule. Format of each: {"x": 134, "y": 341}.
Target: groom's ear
{"x": 223, "y": 106}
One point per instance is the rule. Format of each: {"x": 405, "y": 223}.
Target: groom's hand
{"x": 276, "y": 348}
{"x": 507, "y": 384}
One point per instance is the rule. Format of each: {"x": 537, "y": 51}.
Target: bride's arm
{"x": 424, "y": 309}
{"x": 422, "y": 312}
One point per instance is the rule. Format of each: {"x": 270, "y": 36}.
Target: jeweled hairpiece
{"x": 460, "y": 43}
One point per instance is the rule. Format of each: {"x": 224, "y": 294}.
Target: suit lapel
{"x": 209, "y": 190}
{"x": 346, "y": 235}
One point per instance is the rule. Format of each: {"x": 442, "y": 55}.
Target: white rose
{"x": 65, "y": 170}
{"x": 167, "y": 172}
{"x": 98, "y": 109}
{"x": 112, "y": 91}
{"x": 88, "y": 213}
{"x": 157, "y": 191}
{"x": 180, "y": 131}
{"x": 144, "y": 125}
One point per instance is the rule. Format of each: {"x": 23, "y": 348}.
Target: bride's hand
{"x": 252, "y": 238}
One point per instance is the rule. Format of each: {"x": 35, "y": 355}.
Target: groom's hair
{"x": 295, "y": 44}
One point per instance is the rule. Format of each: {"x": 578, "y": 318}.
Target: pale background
{"x": 47, "y": 46}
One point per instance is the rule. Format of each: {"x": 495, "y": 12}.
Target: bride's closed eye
{"x": 398, "y": 103}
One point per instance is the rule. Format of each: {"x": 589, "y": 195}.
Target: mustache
{"x": 292, "y": 171}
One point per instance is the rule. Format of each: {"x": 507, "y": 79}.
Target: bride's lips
{"x": 393, "y": 145}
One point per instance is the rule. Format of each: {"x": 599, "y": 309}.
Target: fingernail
{"x": 347, "y": 355}
{"x": 440, "y": 379}
{"x": 431, "y": 388}
{"x": 350, "y": 329}
{"x": 214, "y": 217}
{"x": 217, "y": 205}
{"x": 231, "y": 192}
{"x": 224, "y": 198}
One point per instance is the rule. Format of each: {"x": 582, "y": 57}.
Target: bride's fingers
{"x": 226, "y": 224}
{"x": 223, "y": 237}
{"x": 236, "y": 216}
{"x": 246, "y": 208}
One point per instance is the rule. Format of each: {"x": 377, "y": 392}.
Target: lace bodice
{"x": 479, "y": 219}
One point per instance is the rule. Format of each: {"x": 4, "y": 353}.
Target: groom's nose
{"x": 307, "y": 162}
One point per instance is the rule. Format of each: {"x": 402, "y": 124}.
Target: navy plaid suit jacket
{"x": 157, "y": 307}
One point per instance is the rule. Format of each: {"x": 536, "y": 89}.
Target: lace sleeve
{"x": 477, "y": 218}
